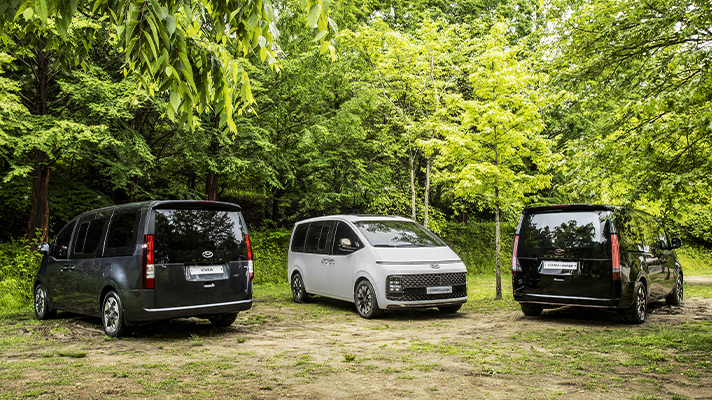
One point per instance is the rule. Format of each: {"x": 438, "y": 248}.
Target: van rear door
{"x": 201, "y": 254}
{"x": 565, "y": 251}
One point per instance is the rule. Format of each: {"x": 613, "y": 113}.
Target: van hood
{"x": 416, "y": 255}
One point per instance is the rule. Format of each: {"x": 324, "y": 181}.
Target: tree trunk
{"x": 38, "y": 222}
{"x": 275, "y": 209}
{"x": 211, "y": 186}
{"x": 496, "y": 240}
{"x": 427, "y": 190}
{"x": 496, "y": 218}
{"x": 133, "y": 189}
{"x": 39, "y": 209}
{"x": 411, "y": 158}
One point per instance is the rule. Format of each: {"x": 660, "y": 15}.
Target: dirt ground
{"x": 323, "y": 350}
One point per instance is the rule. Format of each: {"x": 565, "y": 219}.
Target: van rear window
{"x": 563, "y": 230}
{"x": 199, "y": 236}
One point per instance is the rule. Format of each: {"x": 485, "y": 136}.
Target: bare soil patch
{"x": 324, "y": 350}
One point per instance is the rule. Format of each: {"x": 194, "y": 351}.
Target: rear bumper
{"x": 570, "y": 301}
{"x": 157, "y": 314}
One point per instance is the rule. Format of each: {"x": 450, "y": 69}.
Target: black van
{"x": 149, "y": 261}
{"x": 593, "y": 256}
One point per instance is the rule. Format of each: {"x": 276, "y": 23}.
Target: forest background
{"x": 454, "y": 114}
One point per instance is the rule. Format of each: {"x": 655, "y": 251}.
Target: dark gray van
{"x": 593, "y": 256}
{"x": 149, "y": 261}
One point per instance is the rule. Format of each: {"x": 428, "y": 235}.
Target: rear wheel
{"x": 531, "y": 310}
{"x": 112, "y": 316}
{"x": 639, "y": 310}
{"x": 365, "y": 300}
{"x": 42, "y": 309}
{"x": 223, "y": 320}
{"x": 449, "y": 309}
{"x": 676, "y": 297}
{"x": 299, "y": 293}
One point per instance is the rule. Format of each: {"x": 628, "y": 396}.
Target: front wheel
{"x": 223, "y": 320}
{"x": 299, "y": 293}
{"x": 676, "y": 297}
{"x": 365, "y": 300}
{"x": 42, "y": 309}
{"x": 112, "y": 316}
{"x": 638, "y": 311}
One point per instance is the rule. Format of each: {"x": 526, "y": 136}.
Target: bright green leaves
{"x": 181, "y": 47}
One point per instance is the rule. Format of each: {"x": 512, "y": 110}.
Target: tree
{"x": 641, "y": 88}
{"x": 414, "y": 74}
{"x": 498, "y": 154}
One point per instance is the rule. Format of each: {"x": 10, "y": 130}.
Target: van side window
{"x": 80, "y": 238}
{"x": 300, "y": 235}
{"x": 121, "y": 238}
{"x": 653, "y": 234}
{"x": 319, "y": 237}
{"x": 343, "y": 231}
{"x": 630, "y": 238}
{"x": 61, "y": 242}
{"x": 88, "y": 236}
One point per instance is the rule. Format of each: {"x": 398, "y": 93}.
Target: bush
{"x": 18, "y": 265}
{"x": 269, "y": 249}
{"x": 474, "y": 242}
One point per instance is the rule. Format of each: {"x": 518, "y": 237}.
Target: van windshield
{"x": 186, "y": 235}
{"x": 579, "y": 230}
{"x": 397, "y": 234}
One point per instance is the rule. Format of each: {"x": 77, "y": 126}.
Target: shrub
{"x": 474, "y": 242}
{"x": 269, "y": 248}
{"x": 18, "y": 264}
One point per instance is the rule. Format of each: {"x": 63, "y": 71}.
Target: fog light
{"x": 395, "y": 284}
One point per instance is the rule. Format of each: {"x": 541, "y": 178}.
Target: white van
{"x": 376, "y": 262}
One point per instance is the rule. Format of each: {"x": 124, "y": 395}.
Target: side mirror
{"x": 43, "y": 248}
{"x": 675, "y": 243}
{"x": 345, "y": 245}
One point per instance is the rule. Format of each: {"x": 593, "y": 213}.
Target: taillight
{"x": 515, "y": 263}
{"x": 148, "y": 260}
{"x": 615, "y": 257}
{"x": 250, "y": 264}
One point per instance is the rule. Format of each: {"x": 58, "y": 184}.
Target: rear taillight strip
{"x": 615, "y": 257}
{"x": 148, "y": 262}
{"x": 250, "y": 263}
{"x": 515, "y": 267}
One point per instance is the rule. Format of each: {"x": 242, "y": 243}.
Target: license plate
{"x": 439, "y": 289}
{"x": 197, "y": 270}
{"x": 559, "y": 265}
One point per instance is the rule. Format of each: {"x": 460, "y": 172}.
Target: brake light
{"x": 615, "y": 257}
{"x": 148, "y": 260}
{"x": 515, "y": 263}
{"x": 250, "y": 263}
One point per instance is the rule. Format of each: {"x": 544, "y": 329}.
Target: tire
{"x": 112, "y": 315}
{"x": 677, "y": 295}
{"x": 450, "y": 309}
{"x": 366, "y": 301}
{"x": 531, "y": 310}
{"x": 299, "y": 293}
{"x": 639, "y": 310}
{"x": 223, "y": 320}
{"x": 42, "y": 308}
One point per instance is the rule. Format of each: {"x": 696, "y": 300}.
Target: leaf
{"x": 262, "y": 41}
{"x": 43, "y": 11}
{"x": 170, "y": 24}
{"x": 28, "y": 14}
{"x": 333, "y": 26}
{"x": 263, "y": 53}
{"x": 175, "y": 100}
{"x": 324, "y": 47}
{"x": 253, "y": 20}
{"x": 314, "y": 14}
{"x": 320, "y": 35}
{"x": 269, "y": 10}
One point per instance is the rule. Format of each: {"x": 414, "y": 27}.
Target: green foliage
{"x": 695, "y": 259}
{"x": 474, "y": 242}
{"x": 269, "y": 249}
{"x": 18, "y": 265}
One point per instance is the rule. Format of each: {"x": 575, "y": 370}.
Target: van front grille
{"x": 414, "y": 287}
